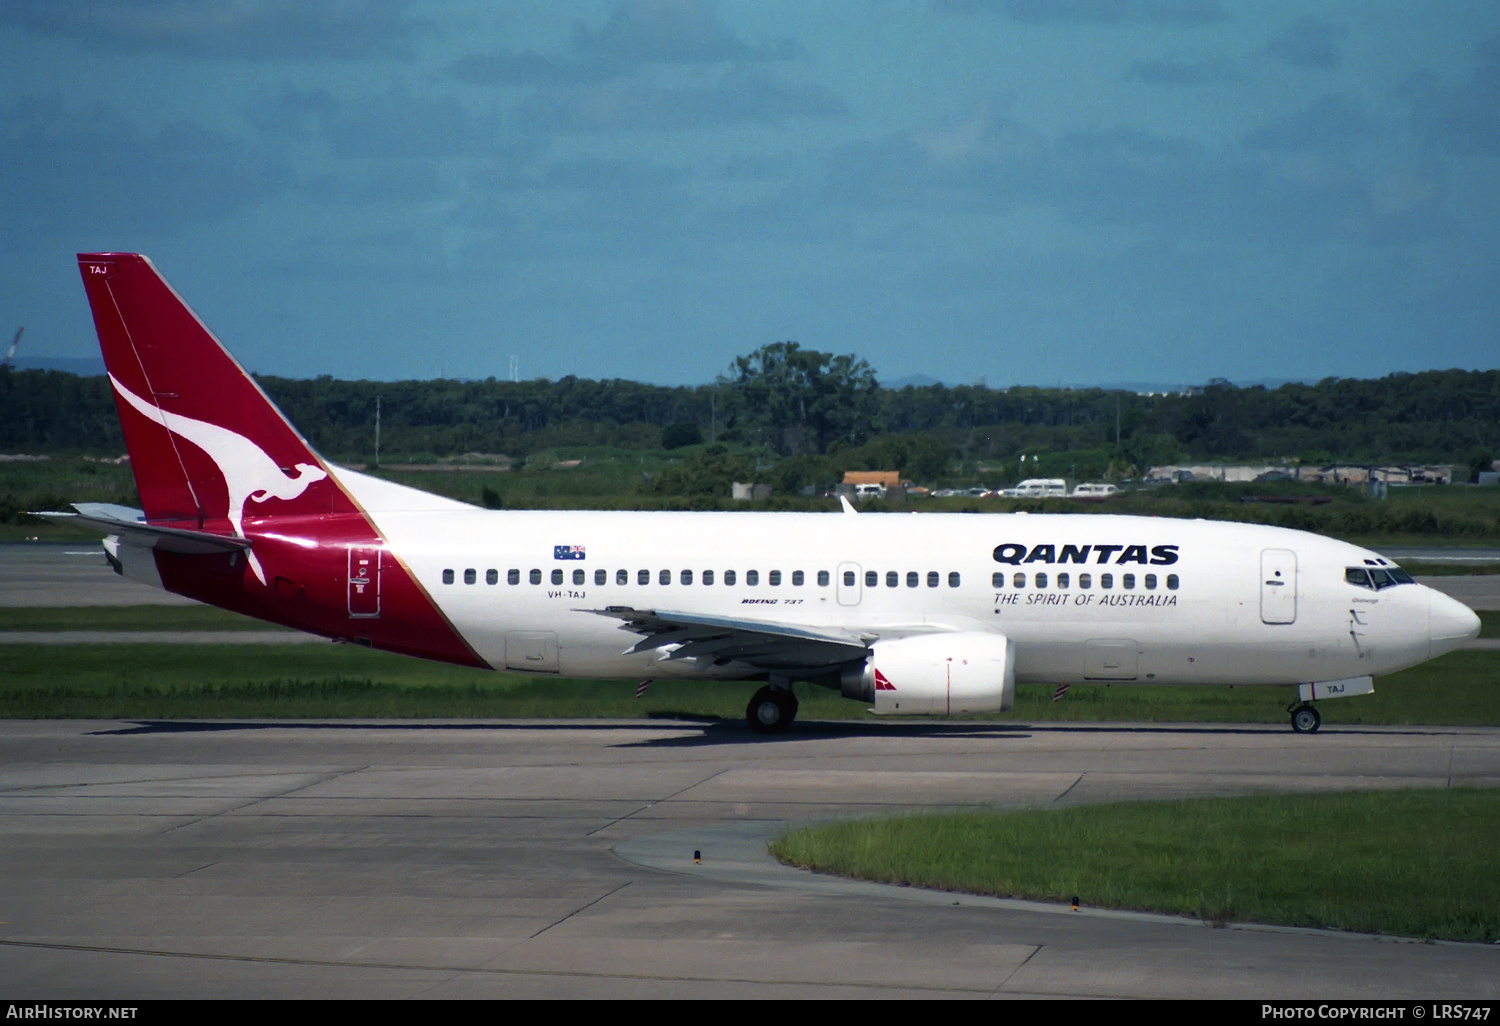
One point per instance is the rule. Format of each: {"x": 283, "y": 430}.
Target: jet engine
{"x": 936, "y": 674}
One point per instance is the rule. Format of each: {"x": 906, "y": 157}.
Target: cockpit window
{"x": 1377, "y": 578}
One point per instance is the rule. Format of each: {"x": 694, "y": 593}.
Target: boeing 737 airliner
{"x": 916, "y": 614}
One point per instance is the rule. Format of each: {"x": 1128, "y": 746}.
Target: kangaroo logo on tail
{"x": 249, "y": 474}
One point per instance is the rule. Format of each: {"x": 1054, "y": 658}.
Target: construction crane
{"x": 10, "y": 356}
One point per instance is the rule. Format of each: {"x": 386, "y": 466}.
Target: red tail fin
{"x": 204, "y": 439}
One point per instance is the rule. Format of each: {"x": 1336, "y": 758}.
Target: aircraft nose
{"x": 1450, "y": 623}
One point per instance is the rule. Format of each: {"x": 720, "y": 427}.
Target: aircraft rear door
{"x": 364, "y": 581}
{"x": 1278, "y": 586}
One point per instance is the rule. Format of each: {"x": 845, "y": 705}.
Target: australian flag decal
{"x": 567, "y": 552}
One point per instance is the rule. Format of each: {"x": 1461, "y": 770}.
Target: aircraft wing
{"x": 724, "y": 639}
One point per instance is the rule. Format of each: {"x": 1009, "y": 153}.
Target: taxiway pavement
{"x": 514, "y": 859}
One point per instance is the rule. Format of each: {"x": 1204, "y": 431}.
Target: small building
{"x": 859, "y": 485}
{"x": 747, "y": 491}
{"x": 1216, "y": 472}
{"x": 889, "y": 480}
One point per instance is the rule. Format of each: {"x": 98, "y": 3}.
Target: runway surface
{"x": 409, "y": 860}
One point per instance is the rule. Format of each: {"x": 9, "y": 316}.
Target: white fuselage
{"x": 1081, "y": 597}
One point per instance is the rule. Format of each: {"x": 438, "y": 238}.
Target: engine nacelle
{"x": 936, "y": 674}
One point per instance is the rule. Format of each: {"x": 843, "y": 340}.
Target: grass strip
{"x": 184, "y": 681}
{"x": 1489, "y": 623}
{"x": 1418, "y": 568}
{"x": 128, "y": 618}
{"x": 1407, "y": 863}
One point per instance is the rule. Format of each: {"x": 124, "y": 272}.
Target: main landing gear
{"x": 1305, "y": 719}
{"x": 771, "y": 710}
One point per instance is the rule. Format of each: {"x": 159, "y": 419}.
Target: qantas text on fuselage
{"x": 1048, "y": 552}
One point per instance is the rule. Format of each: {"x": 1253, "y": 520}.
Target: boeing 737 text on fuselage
{"x": 930, "y": 614}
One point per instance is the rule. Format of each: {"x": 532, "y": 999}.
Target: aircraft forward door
{"x": 849, "y": 586}
{"x": 1278, "y": 586}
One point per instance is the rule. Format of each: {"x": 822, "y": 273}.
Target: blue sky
{"x": 1020, "y": 191}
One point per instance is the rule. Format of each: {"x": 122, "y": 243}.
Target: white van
{"x": 1041, "y": 488}
{"x": 1089, "y": 490}
{"x": 869, "y": 491}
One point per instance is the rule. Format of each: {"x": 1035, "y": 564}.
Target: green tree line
{"x": 801, "y": 405}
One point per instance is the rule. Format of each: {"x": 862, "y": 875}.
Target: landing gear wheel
{"x": 771, "y": 710}
{"x": 1305, "y": 719}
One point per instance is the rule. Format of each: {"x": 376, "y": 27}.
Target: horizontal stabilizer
{"x": 131, "y": 527}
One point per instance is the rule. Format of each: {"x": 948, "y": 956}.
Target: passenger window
{"x": 557, "y": 577}
{"x": 492, "y": 577}
{"x": 892, "y": 579}
{"x": 848, "y": 578}
{"x": 1041, "y": 580}
{"x": 578, "y": 577}
{"x": 797, "y": 578}
{"x": 686, "y": 577}
{"x": 1127, "y": 581}
{"x": 953, "y": 579}
{"x": 1172, "y": 582}
{"x": 643, "y": 577}
{"x": 729, "y": 578}
{"x": 601, "y": 576}
{"x": 932, "y": 578}
{"x": 664, "y": 577}
{"x": 1062, "y": 580}
{"x": 708, "y": 577}
{"x": 1019, "y": 580}
{"x": 1106, "y": 580}
{"x": 822, "y": 578}
{"x": 622, "y": 577}
{"x": 752, "y": 577}
{"x": 997, "y": 579}
{"x": 470, "y": 576}
{"x": 536, "y": 576}
{"x": 1085, "y": 580}
{"x": 871, "y": 578}
{"x": 1150, "y": 582}
{"x": 913, "y": 579}
{"x": 513, "y": 576}
{"x": 774, "y": 578}
{"x": 447, "y": 576}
